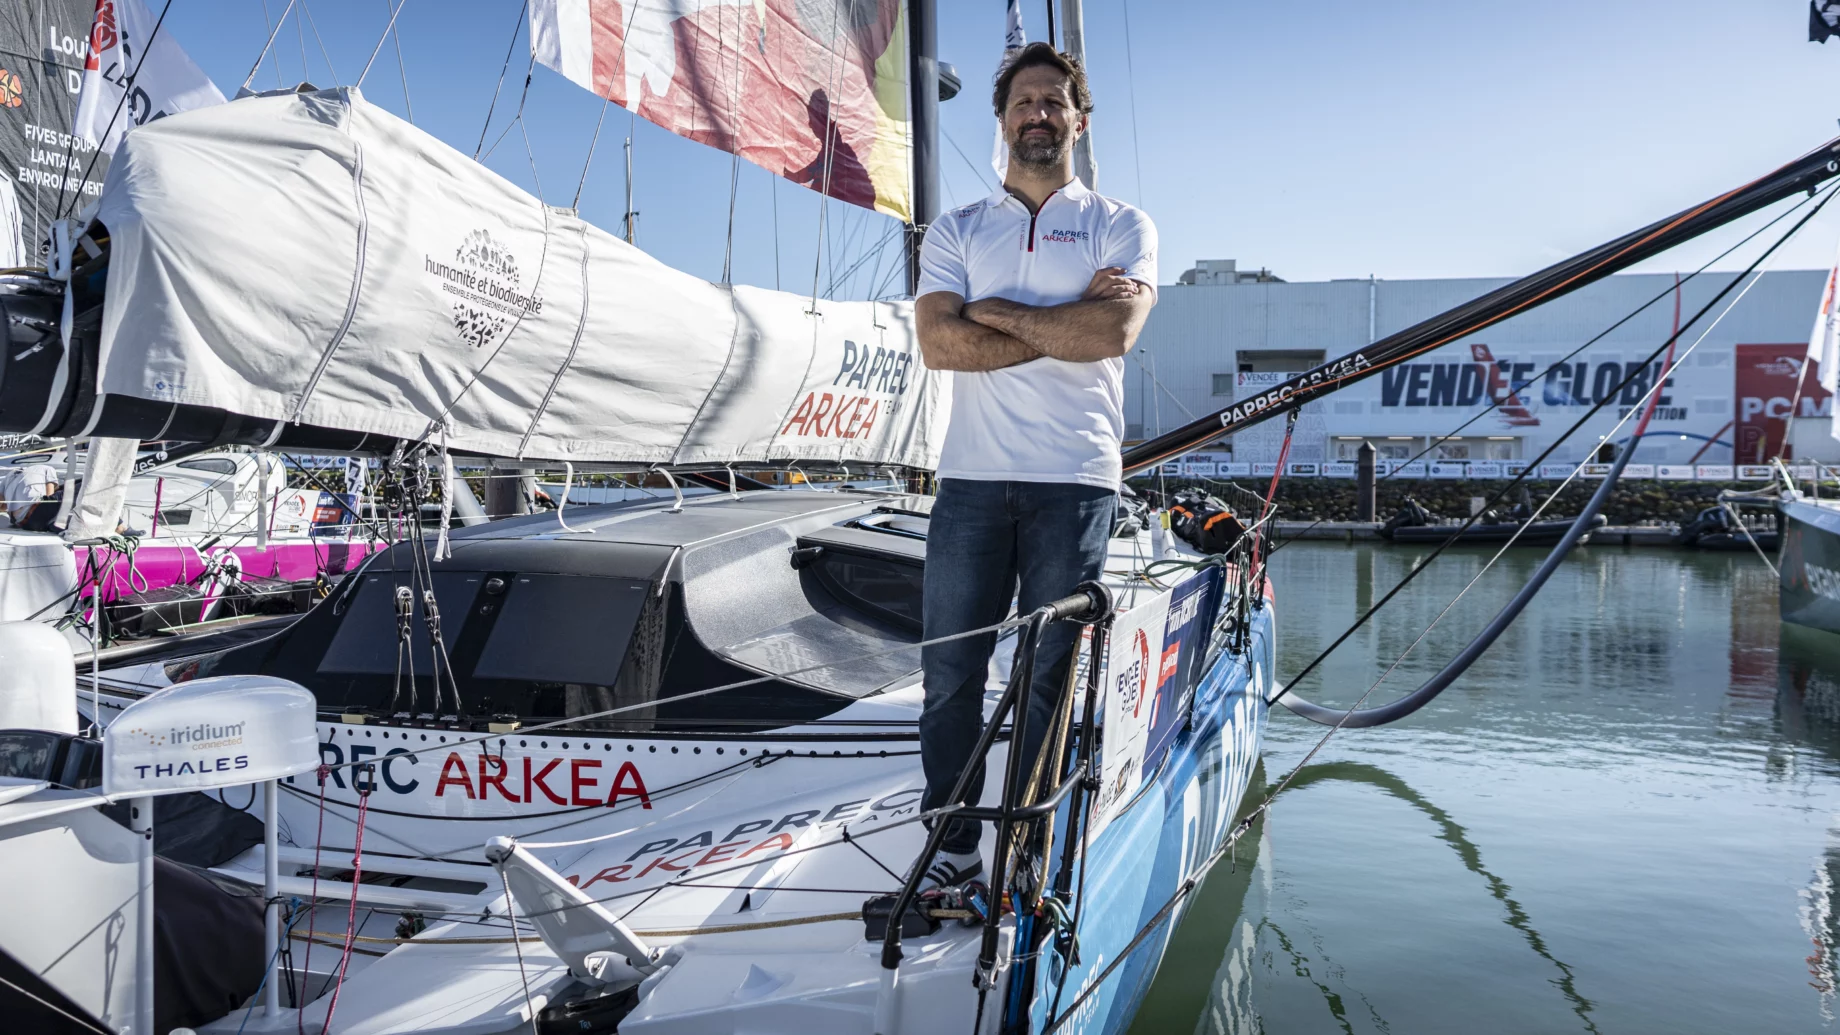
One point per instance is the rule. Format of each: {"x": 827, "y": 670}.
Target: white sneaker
{"x": 950, "y": 869}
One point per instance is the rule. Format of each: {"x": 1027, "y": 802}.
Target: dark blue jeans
{"x": 990, "y": 543}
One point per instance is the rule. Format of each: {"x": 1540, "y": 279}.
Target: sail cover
{"x": 312, "y": 257}
{"x": 812, "y": 90}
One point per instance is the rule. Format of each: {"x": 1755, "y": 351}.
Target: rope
{"x": 741, "y": 684}
{"x": 146, "y": 49}
{"x": 684, "y": 932}
{"x": 530, "y": 1011}
{"x": 378, "y": 49}
{"x": 588, "y": 161}
{"x": 510, "y": 48}
{"x": 253, "y": 69}
{"x": 319, "y": 840}
{"x": 351, "y": 916}
{"x": 1501, "y": 494}
{"x": 1742, "y": 527}
{"x": 49, "y": 1005}
{"x": 1189, "y": 884}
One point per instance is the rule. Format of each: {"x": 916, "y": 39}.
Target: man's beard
{"x": 1038, "y": 153}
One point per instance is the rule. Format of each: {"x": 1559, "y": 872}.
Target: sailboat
{"x": 1808, "y": 574}
{"x": 569, "y": 695}
{"x": 651, "y": 766}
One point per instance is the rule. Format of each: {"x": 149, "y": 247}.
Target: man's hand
{"x": 951, "y": 340}
{"x": 1110, "y": 282}
{"x": 1102, "y": 324}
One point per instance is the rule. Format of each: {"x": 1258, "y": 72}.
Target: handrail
{"x": 1091, "y": 603}
{"x": 1041, "y": 808}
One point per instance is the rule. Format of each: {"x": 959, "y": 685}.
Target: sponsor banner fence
{"x": 1489, "y": 470}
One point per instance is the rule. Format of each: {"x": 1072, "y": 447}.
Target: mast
{"x": 923, "y": 87}
{"x": 1073, "y": 42}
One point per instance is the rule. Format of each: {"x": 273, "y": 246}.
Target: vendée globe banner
{"x": 811, "y": 90}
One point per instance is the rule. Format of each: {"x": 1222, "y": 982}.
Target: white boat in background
{"x": 205, "y": 536}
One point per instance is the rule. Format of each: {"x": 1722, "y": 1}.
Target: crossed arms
{"x": 993, "y": 333}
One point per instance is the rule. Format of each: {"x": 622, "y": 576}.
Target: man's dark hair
{"x": 1039, "y": 53}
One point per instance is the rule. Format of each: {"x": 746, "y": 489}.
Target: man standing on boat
{"x": 1031, "y": 297}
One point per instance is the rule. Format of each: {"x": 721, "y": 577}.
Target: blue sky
{"x": 1418, "y": 139}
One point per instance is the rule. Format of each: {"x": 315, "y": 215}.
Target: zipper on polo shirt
{"x": 1037, "y": 212}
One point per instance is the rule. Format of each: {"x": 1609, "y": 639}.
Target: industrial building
{"x": 1221, "y": 332}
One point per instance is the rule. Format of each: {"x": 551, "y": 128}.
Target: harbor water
{"x": 1624, "y": 818}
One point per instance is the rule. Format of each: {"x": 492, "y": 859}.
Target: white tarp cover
{"x": 311, "y": 257}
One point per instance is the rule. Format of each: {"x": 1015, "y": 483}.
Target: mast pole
{"x": 923, "y": 76}
{"x": 630, "y": 235}
{"x": 1073, "y": 42}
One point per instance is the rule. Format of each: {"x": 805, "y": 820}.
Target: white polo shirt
{"x": 1046, "y": 420}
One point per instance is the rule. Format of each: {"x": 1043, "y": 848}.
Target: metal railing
{"x": 1090, "y": 604}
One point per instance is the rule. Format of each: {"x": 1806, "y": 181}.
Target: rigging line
{"x": 313, "y": 24}
{"x": 1131, "y": 84}
{"x": 403, "y": 71}
{"x": 875, "y": 252}
{"x": 49, "y": 1005}
{"x": 776, "y": 264}
{"x": 1742, "y": 527}
{"x": 975, "y": 171}
{"x": 1494, "y": 404}
{"x": 827, "y": 148}
{"x": 1575, "y": 272}
{"x": 300, "y": 33}
{"x": 510, "y": 48}
{"x": 524, "y": 131}
{"x": 1139, "y": 360}
{"x": 1576, "y": 426}
{"x": 728, "y": 246}
{"x": 110, "y": 128}
{"x": 997, "y": 627}
{"x": 1095, "y": 983}
{"x": 529, "y": 71}
{"x": 381, "y": 40}
{"x": 1652, "y": 392}
{"x": 276, "y": 31}
{"x": 943, "y": 811}
{"x": 734, "y": 167}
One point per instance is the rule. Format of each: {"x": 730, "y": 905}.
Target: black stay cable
{"x": 1357, "y": 716}
{"x": 1495, "y": 404}
{"x": 1436, "y": 684}
{"x": 1804, "y": 173}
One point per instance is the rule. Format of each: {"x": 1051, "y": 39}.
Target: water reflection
{"x": 1452, "y": 833}
{"x": 1643, "y": 777}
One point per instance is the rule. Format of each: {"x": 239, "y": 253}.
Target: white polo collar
{"x": 1073, "y": 190}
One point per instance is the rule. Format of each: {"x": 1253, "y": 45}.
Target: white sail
{"x": 313, "y": 258}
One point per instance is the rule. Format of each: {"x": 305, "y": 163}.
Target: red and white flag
{"x": 812, "y": 90}
{"x": 134, "y": 75}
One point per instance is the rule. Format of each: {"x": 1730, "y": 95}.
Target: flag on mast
{"x": 814, "y": 92}
{"x": 135, "y": 73}
{"x": 1013, "y": 40}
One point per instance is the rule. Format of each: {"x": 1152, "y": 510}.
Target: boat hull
{"x": 1539, "y": 533}
{"x": 1164, "y": 839}
{"x": 1809, "y": 575}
